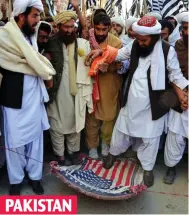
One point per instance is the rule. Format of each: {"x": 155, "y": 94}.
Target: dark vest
{"x": 11, "y": 91}
{"x": 55, "y": 50}
{"x": 155, "y": 95}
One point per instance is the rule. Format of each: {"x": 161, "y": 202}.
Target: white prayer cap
{"x": 183, "y": 17}
{"x": 20, "y": 6}
{"x": 147, "y": 25}
{"x": 130, "y": 21}
{"x": 118, "y": 20}
{"x": 155, "y": 14}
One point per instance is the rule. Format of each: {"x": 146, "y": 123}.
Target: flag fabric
{"x": 51, "y": 7}
{"x": 167, "y": 7}
{"x": 90, "y": 3}
{"x": 109, "y": 7}
{"x": 185, "y": 4}
{"x": 124, "y": 180}
{"x": 172, "y": 8}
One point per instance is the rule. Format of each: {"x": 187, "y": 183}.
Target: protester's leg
{"x": 57, "y": 143}
{"x": 174, "y": 149}
{"x": 92, "y": 134}
{"x": 16, "y": 163}
{"x": 106, "y": 135}
{"x": 120, "y": 142}
{"x": 147, "y": 154}
{"x": 73, "y": 144}
{"x": 34, "y": 157}
{"x": 34, "y": 167}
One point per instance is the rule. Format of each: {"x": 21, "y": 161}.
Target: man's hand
{"x": 103, "y": 67}
{"x": 95, "y": 53}
{"x": 183, "y": 98}
{"x": 49, "y": 84}
{"x": 119, "y": 65}
{"x": 75, "y": 3}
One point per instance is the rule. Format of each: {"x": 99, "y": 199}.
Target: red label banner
{"x": 38, "y": 205}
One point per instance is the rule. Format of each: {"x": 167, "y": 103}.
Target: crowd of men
{"x": 124, "y": 84}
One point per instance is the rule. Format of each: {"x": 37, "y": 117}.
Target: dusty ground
{"x": 150, "y": 202}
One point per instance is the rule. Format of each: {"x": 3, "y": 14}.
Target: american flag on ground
{"x": 122, "y": 181}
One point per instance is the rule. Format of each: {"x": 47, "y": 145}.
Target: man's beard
{"x": 41, "y": 46}
{"x": 28, "y": 30}
{"x": 145, "y": 51}
{"x": 185, "y": 39}
{"x": 100, "y": 39}
{"x": 67, "y": 38}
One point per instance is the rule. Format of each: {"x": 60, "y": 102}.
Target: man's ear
{"x": 21, "y": 19}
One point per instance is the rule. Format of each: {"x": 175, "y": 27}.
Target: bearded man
{"x": 71, "y": 93}
{"x": 108, "y": 83}
{"x": 119, "y": 26}
{"x": 142, "y": 119}
{"x": 178, "y": 122}
{"x": 166, "y": 29}
{"x": 175, "y": 35}
{"x": 131, "y": 35}
{"x": 43, "y": 30}
{"x": 23, "y": 94}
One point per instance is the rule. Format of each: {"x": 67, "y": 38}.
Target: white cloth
{"x": 25, "y": 125}
{"x": 175, "y": 74}
{"x": 20, "y": 6}
{"x": 155, "y": 14}
{"x": 83, "y": 99}
{"x": 138, "y": 109}
{"x": 178, "y": 123}
{"x": 29, "y": 156}
{"x": 125, "y": 39}
{"x": 69, "y": 117}
{"x": 143, "y": 30}
{"x": 130, "y": 21}
{"x": 174, "y": 36}
{"x": 174, "y": 148}
{"x": 118, "y": 20}
{"x": 183, "y": 17}
{"x": 156, "y": 60}
{"x": 146, "y": 148}
{"x": 17, "y": 55}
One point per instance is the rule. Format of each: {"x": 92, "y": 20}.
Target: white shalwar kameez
{"x": 62, "y": 115}
{"x": 176, "y": 137}
{"x": 134, "y": 125}
{"x": 23, "y": 129}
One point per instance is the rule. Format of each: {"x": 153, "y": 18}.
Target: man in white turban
{"x": 157, "y": 15}
{"x": 178, "y": 121}
{"x": 119, "y": 26}
{"x": 131, "y": 35}
{"x": 142, "y": 118}
{"x": 23, "y": 94}
{"x": 175, "y": 35}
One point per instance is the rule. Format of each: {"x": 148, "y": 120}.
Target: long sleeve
{"x": 175, "y": 74}
{"x": 124, "y": 53}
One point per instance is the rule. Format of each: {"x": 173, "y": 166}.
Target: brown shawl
{"x": 182, "y": 52}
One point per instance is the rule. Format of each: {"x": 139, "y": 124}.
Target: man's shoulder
{"x": 53, "y": 43}
{"x": 114, "y": 41}
{"x": 179, "y": 43}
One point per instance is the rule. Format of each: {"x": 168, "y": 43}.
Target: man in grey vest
{"x": 142, "y": 119}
